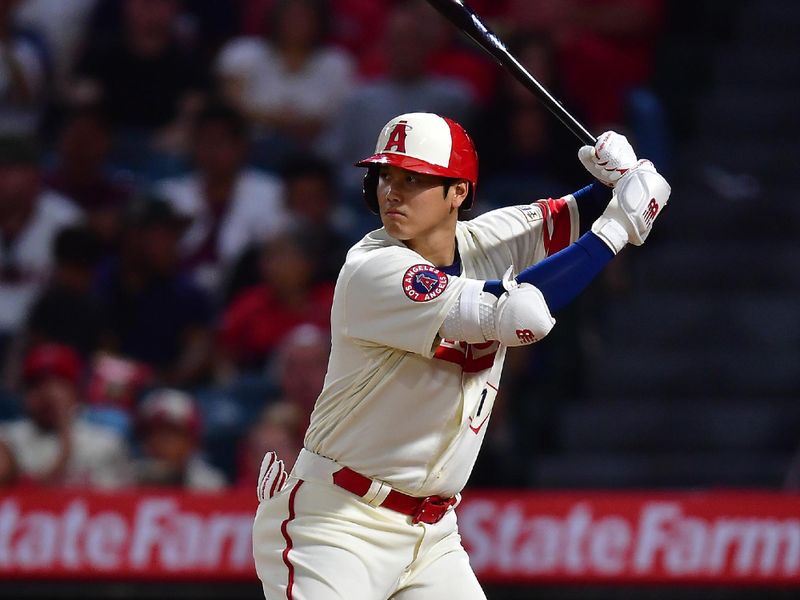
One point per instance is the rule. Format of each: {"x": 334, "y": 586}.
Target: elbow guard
{"x": 518, "y": 318}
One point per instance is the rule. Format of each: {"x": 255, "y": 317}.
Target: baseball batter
{"x": 423, "y": 313}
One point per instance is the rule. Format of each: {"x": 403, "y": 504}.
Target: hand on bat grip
{"x": 609, "y": 159}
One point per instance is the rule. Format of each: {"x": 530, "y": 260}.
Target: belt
{"x": 313, "y": 467}
{"x": 430, "y": 509}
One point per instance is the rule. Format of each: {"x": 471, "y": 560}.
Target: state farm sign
{"x": 127, "y": 535}
{"x": 724, "y": 537}
{"x": 528, "y": 537}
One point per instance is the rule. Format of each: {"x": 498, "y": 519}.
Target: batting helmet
{"x": 422, "y": 143}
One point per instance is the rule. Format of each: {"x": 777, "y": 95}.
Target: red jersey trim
{"x": 472, "y": 358}
{"x": 557, "y": 226}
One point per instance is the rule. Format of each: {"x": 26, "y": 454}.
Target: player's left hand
{"x": 638, "y": 199}
{"x": 271, "y": 476}
{"x": 609, "y": 159}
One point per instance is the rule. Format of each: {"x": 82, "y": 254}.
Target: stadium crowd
{"x": 177, "y": 195}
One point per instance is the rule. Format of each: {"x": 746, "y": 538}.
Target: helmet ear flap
{"x": 370, "y": 189}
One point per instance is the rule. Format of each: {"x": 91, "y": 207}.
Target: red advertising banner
{"x": 726, "y": 538}
{"x": 591, "y": 537}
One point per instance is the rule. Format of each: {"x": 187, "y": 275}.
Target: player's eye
{"x": 412, "y": 179}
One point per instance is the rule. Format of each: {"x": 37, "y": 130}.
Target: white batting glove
{"x": 271, "y": 476}
{"x": 610, "y": 158}
{"x": 638, "y": 199}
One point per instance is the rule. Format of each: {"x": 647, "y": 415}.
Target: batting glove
{"x": 271, "y": 476}
{"x": 610, "y": 158}
{"x": 638, "y": 199}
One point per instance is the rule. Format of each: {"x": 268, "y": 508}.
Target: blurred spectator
{"x": 291, "y": 83}
{"x": 522, "y": 145}
{"x": 82, "y": 172}
{"x": 114, "y": 384}
{"x": 30, "y": 218}
{"x": 23, "y": 76}
{"x": 62, "y": 26}
{"x": 605, "y": 49}
{"x": 150, "y": 82}
{"x": 66, "y": 312}
{"x": 449, "y": 56}
{"x": 279, "y": 429}
{"x": 299, "y": 367}
{"x": 311, "y": 195}
{"x": 156, "y": 314}
{"x": 230, "y": 205}
{"x": 52, "y": 445}
{"x": 204, "y": 25}
{"x": 407, "y": 86}
{"x": 168, "y": 426}
{"x": 259, "y": 318}
{"x": 356, "y": 24}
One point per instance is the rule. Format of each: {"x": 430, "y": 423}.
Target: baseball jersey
{"x": 399, "y": 403}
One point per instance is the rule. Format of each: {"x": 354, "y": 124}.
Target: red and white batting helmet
{"x": 422, "y": 143}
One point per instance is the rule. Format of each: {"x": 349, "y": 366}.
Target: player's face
{"x": 414, "y": 205}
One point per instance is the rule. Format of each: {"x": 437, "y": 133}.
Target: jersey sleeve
{"x": 394, "y": 298}
{"x": 531, "y": 232}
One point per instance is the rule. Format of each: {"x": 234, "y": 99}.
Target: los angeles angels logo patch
{"x": 424, "y": 282}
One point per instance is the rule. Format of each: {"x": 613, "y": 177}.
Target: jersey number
{"x": 475, "y": 422}
{"x": 483, "y": 399}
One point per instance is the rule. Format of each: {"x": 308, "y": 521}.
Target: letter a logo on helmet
{"x": 397, "y": 139}
{"x": 422, "y": 143}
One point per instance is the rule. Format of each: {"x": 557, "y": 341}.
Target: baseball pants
{"x": 316, "y": 541}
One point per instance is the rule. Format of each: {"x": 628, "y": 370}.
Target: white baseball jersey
{"x": 400, "y": 404}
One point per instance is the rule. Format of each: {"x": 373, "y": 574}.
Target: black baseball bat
{"x": 463, "y": 17}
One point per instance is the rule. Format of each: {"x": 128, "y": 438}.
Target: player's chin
{"x": 398, "y": 231}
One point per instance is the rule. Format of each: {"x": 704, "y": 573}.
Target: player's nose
{"x": 393, "y": 193}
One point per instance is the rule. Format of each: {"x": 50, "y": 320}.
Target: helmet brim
{"x": 409, "y": 163}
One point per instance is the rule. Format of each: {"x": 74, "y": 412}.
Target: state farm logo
{"x": 158, "y": 535}
{"x": 659, "y": 542}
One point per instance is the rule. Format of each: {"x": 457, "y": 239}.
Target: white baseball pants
{"x": 316, "y": 541}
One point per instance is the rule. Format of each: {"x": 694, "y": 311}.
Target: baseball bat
{"x": 463, "y": 17}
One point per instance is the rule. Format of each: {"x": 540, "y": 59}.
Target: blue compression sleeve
{"x": 592, "y": 201}
{"x": 564, "y": 275}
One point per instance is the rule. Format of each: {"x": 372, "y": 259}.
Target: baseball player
{"x": 423, "y": 312}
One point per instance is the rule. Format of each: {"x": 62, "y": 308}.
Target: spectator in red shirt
{"x": 259, "y": 317}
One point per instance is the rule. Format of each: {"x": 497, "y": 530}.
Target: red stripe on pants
{"x": 288, "y": 538}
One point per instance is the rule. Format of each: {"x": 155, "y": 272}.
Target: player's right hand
{"x": 638, "y": 199}
{"x": 609, "y": 159}
{"x": 271, "y": 476}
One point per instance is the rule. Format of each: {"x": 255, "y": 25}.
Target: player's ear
{"x": 459, "y": 190}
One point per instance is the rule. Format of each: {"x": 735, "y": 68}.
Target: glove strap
{"x": 612, "y": 233}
